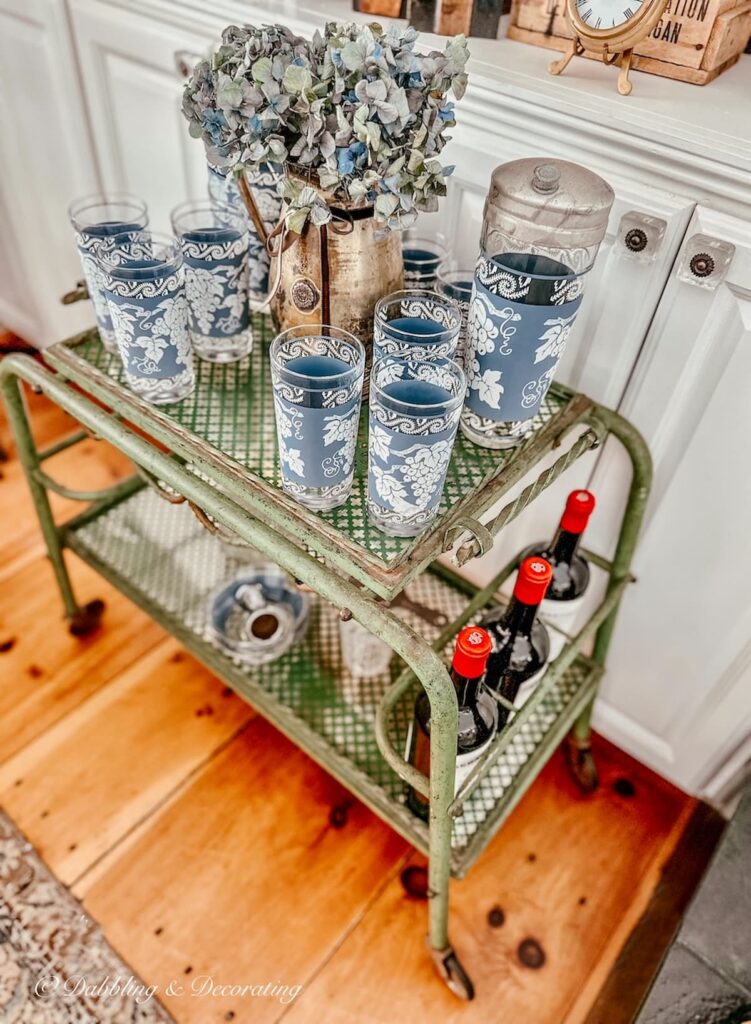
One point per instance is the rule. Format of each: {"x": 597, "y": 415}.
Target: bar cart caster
{"x": 414, "y": 881}
{"x": 139, "y": 534}
{"x": 578, "y": 746}
{"x": 86, "y": 619}
{"x": 581, "y": 763}
{"x": 451, "y": 972}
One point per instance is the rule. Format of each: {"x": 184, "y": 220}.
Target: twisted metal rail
{"x": 484, "y": 533}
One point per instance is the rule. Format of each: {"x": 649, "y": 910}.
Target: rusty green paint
{"x": 354, "y": 573}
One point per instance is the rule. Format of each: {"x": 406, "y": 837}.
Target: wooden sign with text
{"x": 693, "y": 41}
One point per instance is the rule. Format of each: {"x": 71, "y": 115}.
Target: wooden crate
{"x": 694, "y": 41}
{"x": 384, "y": 8}
{"x": 446, "y": 17}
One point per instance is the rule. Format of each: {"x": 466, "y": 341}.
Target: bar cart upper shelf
{"x": 231, "y": 414}
{"x": 215, "y": 453}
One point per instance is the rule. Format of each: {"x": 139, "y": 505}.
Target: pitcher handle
{"x": 286, "y": 239}
{"x": 261, "y": 305}
{"x": 250, "y": 205}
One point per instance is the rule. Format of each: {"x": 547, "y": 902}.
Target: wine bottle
{"x": 521, "y": 644}
{"x": 478, "y": 714}
{"x": 565, "y": 594}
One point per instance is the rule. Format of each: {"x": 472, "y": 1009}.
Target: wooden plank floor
{"x": 205, "y": 844}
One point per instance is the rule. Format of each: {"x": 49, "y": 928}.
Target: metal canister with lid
{"x": 543, "y": 223}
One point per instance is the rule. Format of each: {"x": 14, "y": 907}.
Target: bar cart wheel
{"x": 85, "y": 620}
{"x": 450, "y": 970}
{"x": 581, "y": 764}
{"x": 414, "y": 881}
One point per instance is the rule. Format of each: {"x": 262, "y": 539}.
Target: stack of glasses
{"x": 416, "y": 393}
{"x": 416, "y": 397}
{"x": 163, "y": 300}
{"x": 430, "y": 265}
{"x": 160, "y": 299}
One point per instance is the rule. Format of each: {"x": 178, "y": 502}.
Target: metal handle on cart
{"x": 482, "y": 539}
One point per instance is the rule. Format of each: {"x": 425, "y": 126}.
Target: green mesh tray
{"x": 229, "y": 423}
{"x": 162, "y": 557}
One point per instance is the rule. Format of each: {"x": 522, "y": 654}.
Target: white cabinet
{"x": 45, "y": 160}
{"x": 678, "y": 689}
{"x": 90, "y": 98}
{"x": 133, "y": 87}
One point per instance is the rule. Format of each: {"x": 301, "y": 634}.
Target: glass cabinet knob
{"x": 705, "y": 261}
{"x": 640, "y": 236}
{"x": 185, "y": 61}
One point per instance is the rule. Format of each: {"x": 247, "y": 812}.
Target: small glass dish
{"x": 257, "y": 616}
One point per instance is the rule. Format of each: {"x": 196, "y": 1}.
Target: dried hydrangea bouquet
{"x": 354, "y": 122}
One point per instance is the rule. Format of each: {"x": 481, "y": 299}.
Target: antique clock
{"x": 610, "y": 28}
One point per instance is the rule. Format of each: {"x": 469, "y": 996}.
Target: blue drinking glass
{"x": 414, "y": 413}
{"x": 223, "y": 188}
{"x": 95, "y": 218}
{"x": 145, "y": 286}
{"x": 421, "y": 258}
{"x": 214, "y": 242}
{"x": 317, "y": 375}
{"x": 522, "y": 311}
{"x": 456, "y": 285}
{"x": 416, "y": 325}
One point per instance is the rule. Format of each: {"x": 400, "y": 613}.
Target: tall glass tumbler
{"x": 95, "y": 218}
{"x": 421, "y": 258}
{"x": 223, "y": 188}
{"x": 457, "y": 285}
{"x": 317, "y": 375}
{"x": 214, "y": 242}
{"x": 416, "y": 325}
{"x": 145, "y": 286}
{"x": 414, "y": 414}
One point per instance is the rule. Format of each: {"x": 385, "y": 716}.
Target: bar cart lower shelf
{"x": 172, "y": 533}
{"x": 161, "y": 557}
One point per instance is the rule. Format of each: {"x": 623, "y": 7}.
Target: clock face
{"x": 605, "y": 14}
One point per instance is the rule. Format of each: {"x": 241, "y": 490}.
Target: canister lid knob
{"x": 546, "y": 178}
{"x": 543, "y": 201}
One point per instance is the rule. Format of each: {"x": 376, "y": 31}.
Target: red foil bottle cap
{"x": 473, "y": 648}
{"x": 533, "y": 579}
{"x": 579, "y": 507}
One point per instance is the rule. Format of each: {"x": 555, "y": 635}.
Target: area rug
{"x": 55, "y": 965}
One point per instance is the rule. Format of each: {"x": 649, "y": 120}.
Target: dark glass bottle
{"x": 478, "y": 714}
{"x": 570, "y": 569}
{"x": 520, "y": 641}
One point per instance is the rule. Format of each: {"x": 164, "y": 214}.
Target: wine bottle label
{"x": 563, "y": 615}
{"x": 465, "y": 762}
{"x": 527, "y": 688}
{"x": 419, "y": 756}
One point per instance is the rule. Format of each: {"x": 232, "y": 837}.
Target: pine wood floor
{"x": 202, "y": 840}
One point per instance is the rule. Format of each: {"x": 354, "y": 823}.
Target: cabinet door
{"x": 620, "y": 300}
{"x": 678, "y": 688}
{"x": 132, "y": 69}
{"x": 45, "y": 161}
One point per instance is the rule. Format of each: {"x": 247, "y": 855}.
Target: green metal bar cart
{"x": 207, "y": 487}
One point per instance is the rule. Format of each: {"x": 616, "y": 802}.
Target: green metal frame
{"x": 228, "y": 497}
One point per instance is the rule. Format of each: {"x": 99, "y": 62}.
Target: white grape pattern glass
{"x": 606, "y": 14}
